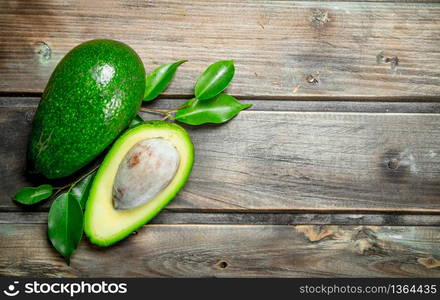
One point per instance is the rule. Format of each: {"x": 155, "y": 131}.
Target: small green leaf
{"x": 65, "y": 225}
{"x": 214, "y": 79}
{"x": 216, "y": 110}
{"x": 136, "y": 121}
{"x": 158, "y": 80}
{"x": 80, "y": 191}
{"x": 32, "y": 195}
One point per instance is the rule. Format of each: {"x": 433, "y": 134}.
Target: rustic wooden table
{"x": 335, "y": 170}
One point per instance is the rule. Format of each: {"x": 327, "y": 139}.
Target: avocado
{"x": 144, "y": 169}
{"x": 90, "y": 98}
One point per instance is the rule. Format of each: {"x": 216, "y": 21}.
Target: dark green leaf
{"x": 80, "y": 191}
{"x": 216, "y": 110}
{"x": 65, "y": 225}
{"x": 136, "y": 121}
{"x": 214, "y": 79}
{"x": 32, "y": 195}
{"x": 158, "y": 80}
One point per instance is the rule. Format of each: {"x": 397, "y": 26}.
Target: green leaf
{"x": 214, "y": 79}
{"x": 32, "y": 195}
{"x": 158, "y": 80}
{"x": 80, "y": 191}
{"x": 65, "y": 225}
{"x": 136, "y": 121}
{"x": 216, "y": 110}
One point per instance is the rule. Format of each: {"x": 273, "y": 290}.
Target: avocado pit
{"x": 146, "y": 170}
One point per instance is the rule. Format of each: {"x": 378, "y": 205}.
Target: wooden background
{"x": 334, "y": 171}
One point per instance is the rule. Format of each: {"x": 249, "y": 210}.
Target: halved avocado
{"x": 145, "y": 168}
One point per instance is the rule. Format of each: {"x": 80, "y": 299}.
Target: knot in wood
{"x": 43, "y": 51}
{"x": 319, "y": 18}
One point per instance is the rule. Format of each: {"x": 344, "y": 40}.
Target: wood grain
{"x": 231, "y": 251}
{"x": 289, "y": 188}
{"x": 282, "y": 49}
{"x": 261, "y": 104}
{"x": 286, "y": 161}
{"x": 170, "y": 216}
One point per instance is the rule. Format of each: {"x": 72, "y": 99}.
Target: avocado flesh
{"x": 90, "y": 98}
{"x": 105, "y": 224}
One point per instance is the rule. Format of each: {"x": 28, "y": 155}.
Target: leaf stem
{"x": 153, "y": 110}
{"x": 83, "y": 176}
{"x": 60, "y": 189}
{"x": 166, "y": 117}
{"x": 165, "y": 112}
{"x": 72, "y": 184}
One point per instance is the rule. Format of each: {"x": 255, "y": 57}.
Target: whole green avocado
{"x": 91, "y": 97}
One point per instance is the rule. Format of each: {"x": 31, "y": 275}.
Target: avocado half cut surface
{"x": 145, "y": 168}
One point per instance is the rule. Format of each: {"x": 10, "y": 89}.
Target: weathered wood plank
{"x": 232, "y": 251}
{"x": 279, "y": 105}
{"x": 283, "y": 49}
{"x": 169, "y": 216}
{"x": 287, "y": 161}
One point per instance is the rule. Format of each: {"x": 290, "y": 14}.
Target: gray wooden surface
{"x": 172, "y": 216}
{"x": 288, "y": 160}
{"x": 334, "y": 171}
{"x": 368, "y": 49}
{"x": 232, "y": 251}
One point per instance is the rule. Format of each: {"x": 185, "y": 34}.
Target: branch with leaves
{"x": 209, "y": 105}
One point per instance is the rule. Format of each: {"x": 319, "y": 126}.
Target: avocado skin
{"x": 91, "y": 97}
